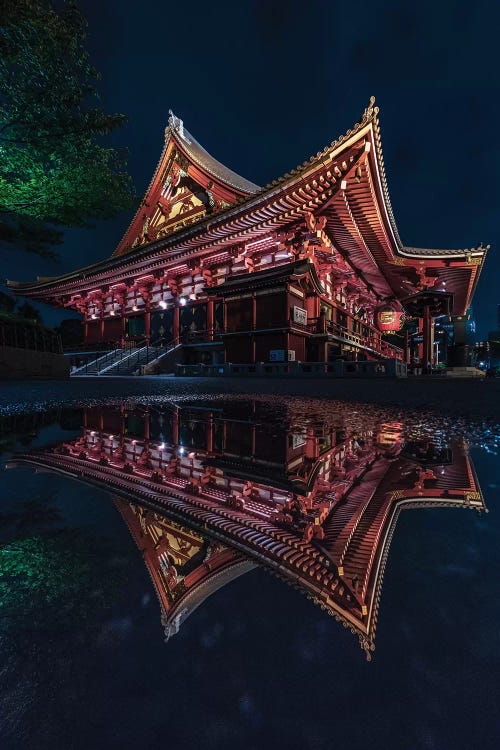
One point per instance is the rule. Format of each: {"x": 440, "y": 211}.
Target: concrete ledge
{"x": 464, "y": 372}
{"x": 392, "y": 368}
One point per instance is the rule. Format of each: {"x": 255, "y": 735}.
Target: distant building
{"x": 489, "y": 351}
{"x": 494, "y": 336}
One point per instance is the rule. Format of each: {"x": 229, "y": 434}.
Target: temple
{"x": 209, "y": 493}
{"x": 214, "y": 269}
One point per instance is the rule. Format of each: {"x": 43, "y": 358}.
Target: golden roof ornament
{"x": 371, "y": 110}
{"x": 177, "y": 125}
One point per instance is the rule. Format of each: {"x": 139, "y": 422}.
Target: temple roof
{"x": 182, "y": 192}
{"x": 205, "y": 160}
{"x": 267, "y": 277}
{"x": 345, "y": 183}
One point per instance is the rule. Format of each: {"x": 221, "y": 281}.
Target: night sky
{"x": 264, "y": 85}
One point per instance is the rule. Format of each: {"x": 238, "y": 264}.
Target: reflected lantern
{"x": 389, "y": 319}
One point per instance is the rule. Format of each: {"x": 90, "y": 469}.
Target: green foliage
{"x": 55, "y": 580}
{"x": 54, "y": 168}
{"x": 37, "y": 568}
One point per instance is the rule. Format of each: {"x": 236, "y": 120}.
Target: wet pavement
{"x": 208, "y": 563}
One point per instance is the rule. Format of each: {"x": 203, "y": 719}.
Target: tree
{"x": 23, "y": 310}
{"x": 54, "y": 167}
{"x": 7, "y": 303}
{"x": 29, "y": 312}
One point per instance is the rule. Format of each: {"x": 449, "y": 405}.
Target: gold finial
{"x": 371, "y": 110}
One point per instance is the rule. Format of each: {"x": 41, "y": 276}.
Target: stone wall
{"x": 18, "y": 364}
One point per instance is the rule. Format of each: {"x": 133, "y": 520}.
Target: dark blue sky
{"x": 263, "y": 85}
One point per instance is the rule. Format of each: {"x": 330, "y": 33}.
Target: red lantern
{"x": 389, "y": 320}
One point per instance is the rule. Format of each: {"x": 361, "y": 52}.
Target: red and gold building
{"x": 209, "y": 493}
{"x": 310, "y": 267}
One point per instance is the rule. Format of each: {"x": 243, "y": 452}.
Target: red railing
{"x": 373, "y": 340}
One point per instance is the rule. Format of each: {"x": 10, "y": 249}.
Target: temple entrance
{"x": 162, "y": 326}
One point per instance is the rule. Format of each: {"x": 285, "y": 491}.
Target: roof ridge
{"x": 175, "y": 128}
{"x": 412, "y": 250}
{"x": 369, "y": 114}
{"x": 213, "y": 166}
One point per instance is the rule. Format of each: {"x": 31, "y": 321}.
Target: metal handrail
{"x": 93, "y": 362}
{"x": 183, "y": 338}
{"x": 129, "y": 349}
{"x": 155, "y": 345}
{"x": 100, "y": 362}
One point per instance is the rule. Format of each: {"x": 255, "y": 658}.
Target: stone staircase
{"x": 120, "y": 361}
{"x": 95, "y": 366}
{"x": 134, "y": 361}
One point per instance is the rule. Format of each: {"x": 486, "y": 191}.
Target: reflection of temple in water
{"x": 208, "y": 493}
{"x": 185, "y": 567}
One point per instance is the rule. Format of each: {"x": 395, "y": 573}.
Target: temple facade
{"x": 207, "y": 494}
{"x": 214, "y": 268}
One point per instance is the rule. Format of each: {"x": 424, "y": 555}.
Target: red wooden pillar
{"x": 407, "y": 357}
{"x": 210, "y": 434}
{"x": 210, "y": 319}
{"x": 147, "y": 322}
{"x": 322, "y": 328}
{"x": 312, "y": 444}
{"x": 428, "y": 341}
{"x": 420, "y": 345}
{"x": 176, "y": 324}
{"x": 175, "y": 427}
{"x": 224, "y": 324}
{"x": 254, "y": 326}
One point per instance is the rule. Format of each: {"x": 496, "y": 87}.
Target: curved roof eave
{"x": 203, "y": 159}
{"x": 368, "y": 124}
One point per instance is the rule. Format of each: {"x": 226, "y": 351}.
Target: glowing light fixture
{"x": 181, "y": 451}
{"x": 182, "y": 301}
{"x": 112, "y": 312}
{"x": 161, "y": 447}
{"x": 163, "y": 304}
{"x": 134, "y": 308}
